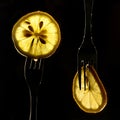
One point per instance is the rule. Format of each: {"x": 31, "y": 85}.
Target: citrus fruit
{"x": 92, "y": 96}
{"x": 36, "y": 35}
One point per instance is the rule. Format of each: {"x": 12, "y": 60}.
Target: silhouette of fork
{"x": 87, "y": 52}
{"x": 33, "y": 72}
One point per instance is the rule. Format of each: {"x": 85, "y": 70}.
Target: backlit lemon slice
{"x": 92, "y": 99}
{"x": 36, "y": 34}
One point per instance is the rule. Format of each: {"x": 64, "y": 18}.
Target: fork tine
{"x": 81, "y": 63}
{"x": 31, "y": 64}
{"x": 79, "y": 69}
{"x": 84, "y": 69}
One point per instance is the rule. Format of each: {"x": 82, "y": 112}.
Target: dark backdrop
{"x": 55, "y": 96}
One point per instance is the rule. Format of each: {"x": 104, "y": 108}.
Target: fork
{"x": 87, "y": 52}
{"x": 33, "y": 72}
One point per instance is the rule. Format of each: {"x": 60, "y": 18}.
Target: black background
{"x": 55, "y": 96}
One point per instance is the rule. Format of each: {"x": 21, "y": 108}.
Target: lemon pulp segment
{"x": 36, "y": 34}
{"x": 92, "y": 99}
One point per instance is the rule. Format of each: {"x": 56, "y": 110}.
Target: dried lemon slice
{"x": 36, "y": 34}
{"x": 92, "y": 99}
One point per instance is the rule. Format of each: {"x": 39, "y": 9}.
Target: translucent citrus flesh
{"x": 36, "y": 34}
{"x": 92, "y": 99}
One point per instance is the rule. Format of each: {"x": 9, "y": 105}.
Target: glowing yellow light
{"x": 93, "y": 99}
{"x": 36, "y": 34}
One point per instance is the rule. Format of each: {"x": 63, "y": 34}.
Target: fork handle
{"x": 88, "y": 7}
{"x": 33, "y": 107}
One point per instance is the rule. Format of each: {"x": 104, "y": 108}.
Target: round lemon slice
{"x": 92, "y": 96}
{"x": 36, "y": 35}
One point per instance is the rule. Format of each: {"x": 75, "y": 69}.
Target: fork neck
{"x": 88, "y": 7}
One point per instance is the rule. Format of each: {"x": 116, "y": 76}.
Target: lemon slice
{"x": 93, "y": 99}
{"x": 36, "y": 35}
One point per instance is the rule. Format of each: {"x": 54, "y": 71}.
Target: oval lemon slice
{"x": 92, "y": 99}
{"x": 36, "y": 34}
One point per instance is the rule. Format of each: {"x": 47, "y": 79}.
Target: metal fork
{"x": 87, "y": 52}
{"x": 33, "y": 72}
